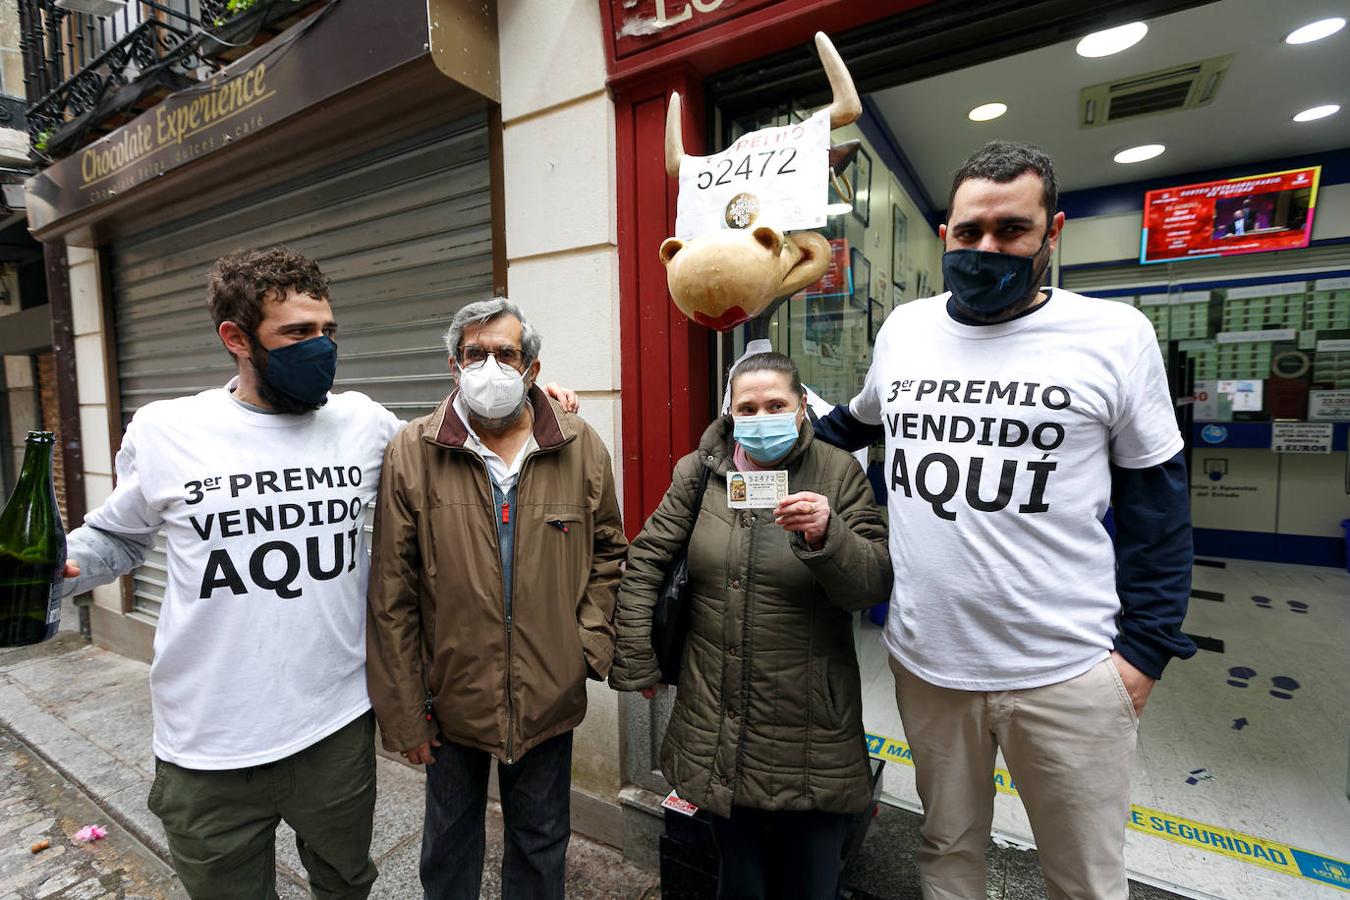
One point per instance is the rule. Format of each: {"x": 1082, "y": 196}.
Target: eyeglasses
{"x": 507, "y": 356}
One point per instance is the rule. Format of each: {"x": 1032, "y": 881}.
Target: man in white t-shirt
{"x": 1013, "y": 416}
{"x": 258, "y": 680}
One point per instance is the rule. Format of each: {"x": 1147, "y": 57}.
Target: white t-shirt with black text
{"x": 999, "y": 440}
{"x": 260, "y": 647}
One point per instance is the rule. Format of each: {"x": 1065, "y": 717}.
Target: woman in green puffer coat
{"x": 767, "y": 730}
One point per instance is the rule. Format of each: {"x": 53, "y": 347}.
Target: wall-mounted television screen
{"x": 1226, "y": 218}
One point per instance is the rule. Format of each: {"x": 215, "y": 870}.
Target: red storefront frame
{"x": 666, "y": 362}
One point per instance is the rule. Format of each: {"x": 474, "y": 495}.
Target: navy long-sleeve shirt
{"x": 1153, "y": 547}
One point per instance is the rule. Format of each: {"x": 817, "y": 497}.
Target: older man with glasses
{"x": 470, "y": 656}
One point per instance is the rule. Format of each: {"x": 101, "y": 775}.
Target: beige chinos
{"x": 1069, "y": 747}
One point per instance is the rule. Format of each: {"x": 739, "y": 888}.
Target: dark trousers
{"x": 787, "y": 855}
{"x": 536, "y": 794}
{"x": 222, "y": 825}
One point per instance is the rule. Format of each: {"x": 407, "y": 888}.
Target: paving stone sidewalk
{"x": 85, "y": 714}
{"x": 37, "y": 803}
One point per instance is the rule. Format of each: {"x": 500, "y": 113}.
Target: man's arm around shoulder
{"x": 842, "y": 429}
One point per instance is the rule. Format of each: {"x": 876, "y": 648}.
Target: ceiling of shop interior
{"x": 1248, "y": 121}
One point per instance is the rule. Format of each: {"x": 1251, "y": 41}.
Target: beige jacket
{"x": 442, "y": 655}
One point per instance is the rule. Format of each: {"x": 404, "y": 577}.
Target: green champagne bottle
{"x": 32, "y": 550}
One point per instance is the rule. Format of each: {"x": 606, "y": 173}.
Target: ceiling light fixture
{"x": 1112, "y": 40}
{"x": 1139, "y": 154}
{"x": 1315, "y": 31}
{"x": 987, "y": 111}
{"x": 1317, "y": 112}
{"x": 841, "y": 208}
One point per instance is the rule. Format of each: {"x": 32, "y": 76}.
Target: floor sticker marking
{"x": 1273, "y": 855}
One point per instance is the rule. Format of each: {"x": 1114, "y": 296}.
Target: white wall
{"x": 25, "y": 414}
{"x": 87, "y": 318}
{"x": 558, "y": 145}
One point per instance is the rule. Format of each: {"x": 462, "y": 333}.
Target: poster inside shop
{"x": 1329, "y": 406}
{"x": 1205, "y": 396}
{"x": 823, "y": 335}
{"x": 1245, "y": 395}
{"x": 1230, "y": 217}
{"x": 838, "y": 278}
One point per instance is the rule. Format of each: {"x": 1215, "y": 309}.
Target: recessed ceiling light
{"x": 987, "y": 111}
{"x": 1317, "y": 112}
{"x": 1315, "y": 31}
{"x": 842, "y": 208}
{"x": 1112, "y": 40}
{"x": 1140, "y": 153}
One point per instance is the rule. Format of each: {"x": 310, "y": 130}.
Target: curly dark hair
{"x": 239, "y": 284}
{"x": 1004, "y": 161}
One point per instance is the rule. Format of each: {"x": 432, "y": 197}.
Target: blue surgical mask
{"x": 991, "y": 283}
{"x": 302, "y": 371}
{"x": 766, "y": 439}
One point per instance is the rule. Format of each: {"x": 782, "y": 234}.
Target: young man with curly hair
{"x": 258, "y": 682}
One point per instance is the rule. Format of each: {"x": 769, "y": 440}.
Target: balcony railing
{"x": 85, "y": 75}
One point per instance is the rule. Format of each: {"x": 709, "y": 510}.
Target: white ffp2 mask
{"x": 493, "y": 391}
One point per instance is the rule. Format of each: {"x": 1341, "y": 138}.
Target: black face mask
{"x": 989, "y": 284}
{"x": 295, "y": 378}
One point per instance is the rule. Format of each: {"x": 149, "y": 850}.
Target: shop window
{"x": 885, "y": 254}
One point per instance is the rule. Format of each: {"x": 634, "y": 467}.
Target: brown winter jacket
{"x": 437, "y": 627}
{"x": 768, "y": 713}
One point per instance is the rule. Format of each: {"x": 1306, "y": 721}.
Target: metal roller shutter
{"x": 405, "y": 235}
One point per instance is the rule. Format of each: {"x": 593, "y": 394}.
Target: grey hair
{"x": 485, "y": 311}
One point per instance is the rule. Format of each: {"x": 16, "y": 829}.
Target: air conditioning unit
{"x": 93, "y": 7}
{"x": 1180, "y": 87}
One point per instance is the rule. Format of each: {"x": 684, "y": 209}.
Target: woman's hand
{"x": 807, "y": 513}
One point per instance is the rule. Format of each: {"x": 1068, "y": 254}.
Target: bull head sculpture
{"x": 725, "y": 277}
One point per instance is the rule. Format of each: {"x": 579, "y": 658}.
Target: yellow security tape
{"x": 1273, "y": 855}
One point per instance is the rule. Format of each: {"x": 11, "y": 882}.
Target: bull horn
{"x": 674, "y": 137}
{"x": 845, "y": 107}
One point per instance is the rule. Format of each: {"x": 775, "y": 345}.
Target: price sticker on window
{"x": 774, "y": 176}
{"x": 1300, "y": 437}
